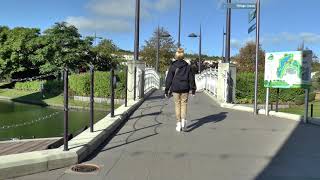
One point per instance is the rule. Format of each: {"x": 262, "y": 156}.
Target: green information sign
{"x": 288, "y": 69}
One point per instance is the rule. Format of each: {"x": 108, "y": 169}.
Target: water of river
{"x": 12, "y": 113}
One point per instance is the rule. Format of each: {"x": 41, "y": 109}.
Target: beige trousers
{"x": 181, "y": 101}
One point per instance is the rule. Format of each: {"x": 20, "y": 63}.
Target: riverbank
{"x": 56, "y": 101}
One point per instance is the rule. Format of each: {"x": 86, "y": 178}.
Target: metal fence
{"x": 147, "y": 79}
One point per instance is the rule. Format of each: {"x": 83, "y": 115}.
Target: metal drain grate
{"x": 85, "y": 168}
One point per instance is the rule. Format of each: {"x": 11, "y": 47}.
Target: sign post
{"x": 287, "y": 70}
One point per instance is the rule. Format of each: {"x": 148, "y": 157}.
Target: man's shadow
{"x": 208, "y": 119}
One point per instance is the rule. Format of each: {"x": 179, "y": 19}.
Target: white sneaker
{"x": 184, "y": 124}
{"x": 178, "y": 128}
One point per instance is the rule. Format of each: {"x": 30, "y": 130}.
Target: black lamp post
{"x": 160, "y": 35}
{"x": 193, "y": 35}
{"x": 137, "y": 31}
{"x": 179, "y": 31}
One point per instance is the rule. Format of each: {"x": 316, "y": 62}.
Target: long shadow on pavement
{"x": 205, "y": 120}
{"x": 298, "y": 158}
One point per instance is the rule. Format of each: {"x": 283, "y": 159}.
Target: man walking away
{"x": 180, "y": 80}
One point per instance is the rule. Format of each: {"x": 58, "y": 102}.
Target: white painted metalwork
{"x": 208, "y": 80}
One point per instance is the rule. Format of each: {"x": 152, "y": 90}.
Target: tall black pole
{"x": 223, "y": 39}
{"x": 91, "y": 97}
{"x": 200, "y": 43}
{"x": 66, "y": 117}
{"x": 179, "y": 31}
{"x": 158, "y": 49}
{"x": 126, "y": 89}
{"x": 137, "y": 30}
{"x": 112, "y": 92}
{"x": 135, "y": 83}
{"x": 228, "y": 32}
{"x": 257, "y": 57}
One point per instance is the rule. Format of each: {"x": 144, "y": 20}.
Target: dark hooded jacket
{"x": 180, "y": 78}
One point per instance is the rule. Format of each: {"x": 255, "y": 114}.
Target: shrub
{"x": 299, "y": 100}
{"x": 80, "y": 84}
{"x": 245, "y": 90}
{"x": 53, "y": 86}
{"x": 33, "y": 86}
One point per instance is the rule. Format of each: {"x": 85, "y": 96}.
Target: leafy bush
{"x": 34, "y": 86}
{"x": 245, "y": 90}
{"x": 80, "y": 84}
{"x": 53, "y": 86}
{"x": 50, "y": 86}
{"x": 299, "y": 100}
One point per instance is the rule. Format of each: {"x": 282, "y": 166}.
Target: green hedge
{"x": 245, "y": 90}
{"x": 50, "y": 86}
{"x": 29, "y": 86}
{"x": 299, "y": 100}
{"x": 80, "y": 84}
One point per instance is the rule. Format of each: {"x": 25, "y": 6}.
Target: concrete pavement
{"x": 220, "y": 144}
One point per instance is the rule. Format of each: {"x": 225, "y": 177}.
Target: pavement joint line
{"x": 81, "y": 146}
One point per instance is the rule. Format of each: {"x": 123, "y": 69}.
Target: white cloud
{"x": 237, "y": 43}
{"x": 126, "y": 8}
{"x": 87, "y": 24}
{"x": 285, "y": 37}
{"x": 117, "y": 15}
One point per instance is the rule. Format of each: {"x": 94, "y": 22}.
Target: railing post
{"x": 91, "y": 97}
{"x": 126, "y": 89}
{"x": 142, "y": 84}
{"x": 134, "y": 83}
{"x": 112, "y": 91}
{"x": 277, "y": 100}
{"x": 66, "y": 117}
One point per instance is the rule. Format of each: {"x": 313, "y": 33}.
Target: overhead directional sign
{"x": 252, "y": 28}
{"x": 240, "y": 5}
{"x": 252, "y": 15}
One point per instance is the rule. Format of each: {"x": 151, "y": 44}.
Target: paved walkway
{"x": 221, "y": 144}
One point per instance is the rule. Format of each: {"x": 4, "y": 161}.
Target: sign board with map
{"x": 288, "y": 69}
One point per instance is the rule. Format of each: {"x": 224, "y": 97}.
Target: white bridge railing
{"x": 151, "y": 79}
{"x": 208, "y": 80}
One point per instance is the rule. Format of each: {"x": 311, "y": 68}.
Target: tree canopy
{"x": 246, "y": 58}
{"x": 166, "y": 53}
{"x": 26, "y": 52}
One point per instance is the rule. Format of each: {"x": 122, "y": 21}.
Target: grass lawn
{"x": 300, "y": 109}
{"x": 51, "y": 100}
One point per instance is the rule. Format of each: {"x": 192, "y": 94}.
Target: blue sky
{"x": 284, "y": 24}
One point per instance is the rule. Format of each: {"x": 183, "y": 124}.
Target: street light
{"x": 193, "y": 35}
{"x": 137, "y": 31}
{"x": 179, "y": 31}
{"x": 162, "y": 35}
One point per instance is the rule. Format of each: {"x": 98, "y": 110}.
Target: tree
{"x": 18, "y": 47}
{"x": 246, "y": 58}
{"x": 105, "y": 55}
{"x": 63, "y": 46}
{"x": 166, "y": 53}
